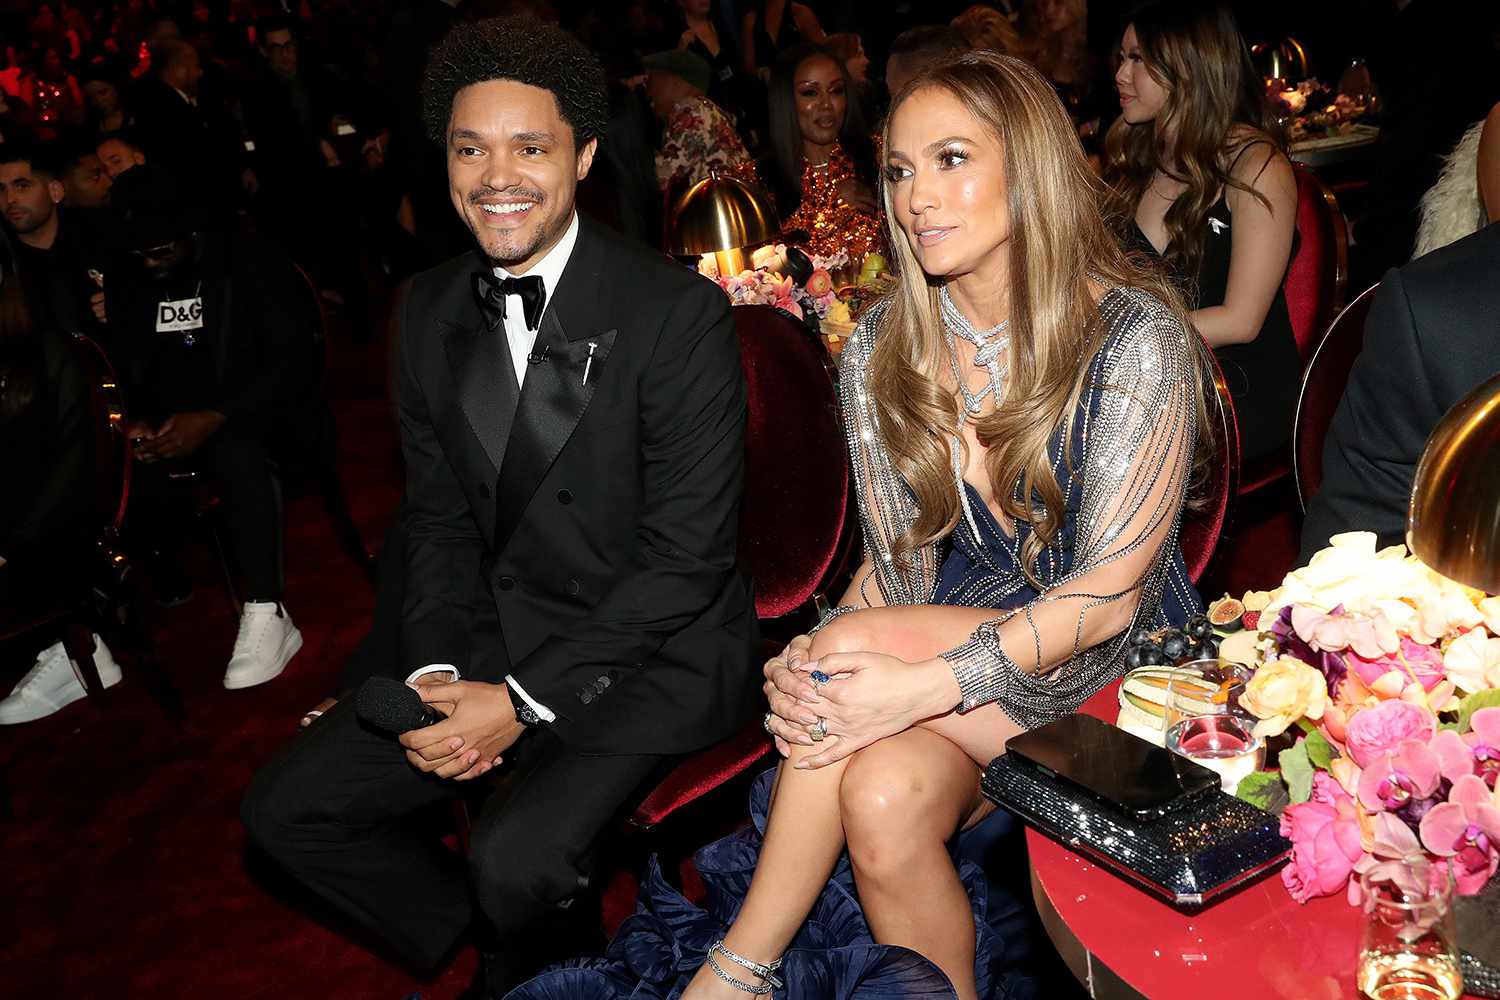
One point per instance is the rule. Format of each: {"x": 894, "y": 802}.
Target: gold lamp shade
{"x": 1453, "y": 523}
{"x": 721, "y": 213}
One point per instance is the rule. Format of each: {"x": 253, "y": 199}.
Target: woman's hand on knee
{"x": 870, "y": 696}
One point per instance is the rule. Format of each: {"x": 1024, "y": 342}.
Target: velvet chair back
{"x": 1202, "y": 527}
{"x": 1317, "y": 273}
{"x": 1323, "y": 385}
{"x": 796, "y": 462}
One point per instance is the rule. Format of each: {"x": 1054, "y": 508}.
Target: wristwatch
{"x": 525, "y": 714}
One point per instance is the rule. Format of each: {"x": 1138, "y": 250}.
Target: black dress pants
{"x": 332, "y": 810}
{"x": 241, "y": 469}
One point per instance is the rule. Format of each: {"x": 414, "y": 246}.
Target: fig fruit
{"x": 1225, "y": 613}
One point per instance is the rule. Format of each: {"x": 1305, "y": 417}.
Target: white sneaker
{"x": 53, "y": 683}
{"x": 266, "y": 644}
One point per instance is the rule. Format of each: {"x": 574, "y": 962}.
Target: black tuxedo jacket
{"x": 1433, "y": 335}
{"x": 581, "y": 536}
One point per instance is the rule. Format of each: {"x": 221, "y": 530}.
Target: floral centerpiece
{"x": 1389, "y": 675}
{"x": 762, "y": 288}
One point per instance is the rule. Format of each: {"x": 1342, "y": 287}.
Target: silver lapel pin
{"x": 589, "y": 361}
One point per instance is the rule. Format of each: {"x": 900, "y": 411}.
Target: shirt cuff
{"x": 434, "y": 668}
{"x": 542, "y": 711}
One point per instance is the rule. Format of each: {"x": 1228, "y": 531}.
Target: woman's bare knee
{"x": 848, "y": 633}
{"x": 903, "y": 795}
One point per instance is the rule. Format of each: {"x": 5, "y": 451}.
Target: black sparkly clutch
{"x": 1189, "y": 857}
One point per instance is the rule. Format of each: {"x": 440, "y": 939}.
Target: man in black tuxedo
{"x": 570, "y": 543}
{"x": 1429, "y": 341}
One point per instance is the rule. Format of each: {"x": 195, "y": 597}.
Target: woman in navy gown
{"x": 1024, "y": 416}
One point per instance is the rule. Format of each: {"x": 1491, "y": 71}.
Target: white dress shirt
{"x": 521, "y": 339}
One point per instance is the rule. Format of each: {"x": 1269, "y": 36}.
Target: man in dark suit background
{"x": 1430, "y": 340}
{"x": 572, "y": 416}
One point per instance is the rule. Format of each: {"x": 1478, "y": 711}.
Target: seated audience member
{"x": 47, "y": 527}
{"x": 118, "y": 151}
{"x": 102, "y": 99}
{"x": 631, "y": 627}
{"x": 706, "y": 34}
{"x": 85, "y": 180}
{"x": 771, "y": 28}
{"x": 1429, "y": 341}
{"x": 1054, "y": 38}
{"x": 848, "y": 47}
{"x": 982, "y": 608}
{"x": 56, "y": 252}
{"x": 191, "y": 140}
{"x": 1197, "y": 176}
{"x": 821, "y": 171}
{"x": 985, "y": 28}
{"x": 919, "y": 49}
{"x": 215, "y": 346}
{"x": 52, "y": 93}
{"x": 697, "y": 135}
{"x": 1466, "y": 197}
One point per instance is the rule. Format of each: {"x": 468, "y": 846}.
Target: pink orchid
{"x": 1397, "y": 778}
{"x": 1371, "y": 636}
{"x": 1373, "y": 731}
{"x": 1466, "y": 828}
{"x": 1325, "y": 837}
{"x": 1483, "y": 743}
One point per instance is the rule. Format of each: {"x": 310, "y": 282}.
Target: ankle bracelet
{"x": 765, "y": 972}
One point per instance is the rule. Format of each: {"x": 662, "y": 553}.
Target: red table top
{"x": 1256, "y": 943}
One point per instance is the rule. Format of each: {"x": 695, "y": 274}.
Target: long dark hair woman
{"x": 46, "y": 505}
{"x": 821, "y": 170}
{"x": 1198, "y": 175}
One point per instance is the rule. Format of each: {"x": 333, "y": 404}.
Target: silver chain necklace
{"x": 989, "y": 345}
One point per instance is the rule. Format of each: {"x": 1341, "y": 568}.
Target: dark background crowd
{"x": 204, "y": 188}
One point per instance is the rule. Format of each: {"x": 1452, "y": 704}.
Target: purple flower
{"x": 1289, "y": 643}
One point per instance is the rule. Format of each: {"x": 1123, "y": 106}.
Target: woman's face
{"x": 859, "y": 65}
{"x": 102, "y": 96}
{"x": 818, "y": 86}
{"x": 1141, "y": 97}
{"x": 946, "y": 174}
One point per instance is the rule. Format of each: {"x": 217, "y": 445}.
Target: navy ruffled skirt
{"x": 659, "y": 949}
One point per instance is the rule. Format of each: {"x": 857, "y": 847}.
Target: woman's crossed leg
{"x": 894, "y": 804}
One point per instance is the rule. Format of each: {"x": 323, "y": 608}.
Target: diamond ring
{"x": 819, "y": 732}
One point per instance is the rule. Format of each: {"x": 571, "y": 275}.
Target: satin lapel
{"x": 553, "y": 400}
{"x": 482, "y": 370}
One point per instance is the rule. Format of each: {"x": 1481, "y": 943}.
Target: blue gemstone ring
{"x": 818, "y": 677}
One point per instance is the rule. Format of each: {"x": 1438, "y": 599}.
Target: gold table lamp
{"x": 723, "y": 216}
{"x": 1453, "y": 523}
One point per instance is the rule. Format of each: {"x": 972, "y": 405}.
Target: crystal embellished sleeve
{"x": 885, "y": 502}
{"x": 1042, "y": 660}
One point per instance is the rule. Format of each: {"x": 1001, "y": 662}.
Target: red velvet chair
{"x": 1202, "y": 528}
{"x": 1318, "y": 273}
{"x": 795, "y": 525}
{"x": 1316, "y": 277}
{"x": 1322, "y": 387}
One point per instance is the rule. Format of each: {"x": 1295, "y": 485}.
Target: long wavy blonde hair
{"x": 1058, "y": 245}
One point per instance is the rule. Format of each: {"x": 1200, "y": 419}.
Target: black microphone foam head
{"x": 389, "y": 705}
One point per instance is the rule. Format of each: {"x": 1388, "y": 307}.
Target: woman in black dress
{"x": 771, "y": 27}
{"x": 1198, "y": 175}
{"x": 706, "y": 34}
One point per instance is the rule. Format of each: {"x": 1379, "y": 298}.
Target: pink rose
{"x": 1324, "y": 832}
{"x": 1373, "y": 731}
{"x": 1424, "y": 663}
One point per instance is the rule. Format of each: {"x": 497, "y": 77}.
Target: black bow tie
{"x": 491, "y": 292}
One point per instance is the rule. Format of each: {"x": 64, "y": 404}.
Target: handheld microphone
{"x": 535, "y": 359}
{"x": 392, "y": 707}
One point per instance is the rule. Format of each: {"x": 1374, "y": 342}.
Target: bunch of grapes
{"x": 1172, "y": 646}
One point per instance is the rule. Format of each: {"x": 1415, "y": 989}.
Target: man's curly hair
{"x": 525, "y": 50}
